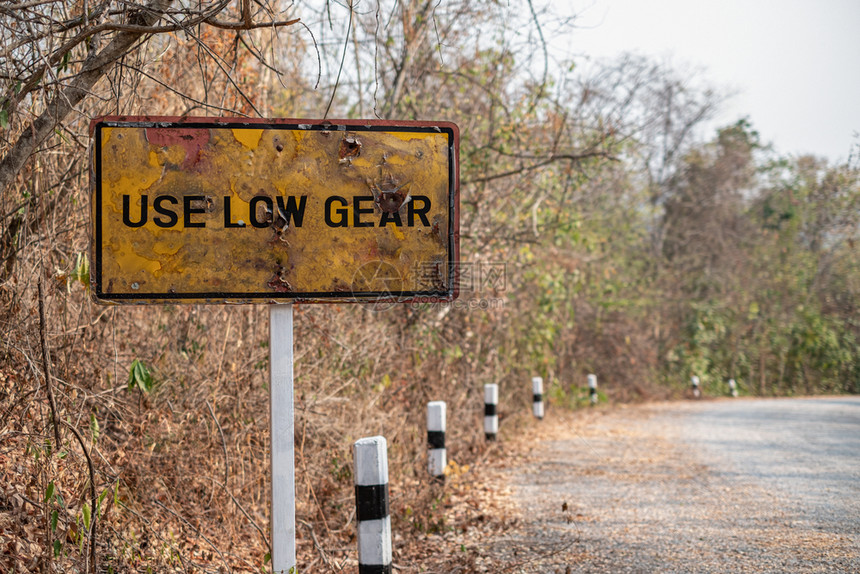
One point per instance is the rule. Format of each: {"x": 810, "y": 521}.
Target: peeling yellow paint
{"x": 163, "y": 248}
{"x": 131, "y": 261}
{"x": 397, "y": 233}
{"x": 249, "y": 138}
{"x": 409, "y": 136}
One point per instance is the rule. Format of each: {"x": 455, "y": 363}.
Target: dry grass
{"x": 182, "y": 470}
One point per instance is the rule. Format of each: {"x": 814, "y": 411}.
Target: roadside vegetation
{"x": 605, "y": 228}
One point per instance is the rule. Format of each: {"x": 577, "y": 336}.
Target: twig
{"x": 223, "y": 442}
{"x": 248, "y": 516}
{"x": 242, "y": 26}
{"x": 46, "y": 364}
{"x": 171, "y": 544}
{"x": 542, "y": 88}
{"x": 223, "y": 350}
{"x": 93, "y": 500}
{"x": 572, "y": 157}
{"x": 342, "y": 59}
{"x": 323, "y": 555}
{"x": 196, "y": 531}
{"x": 319, "y": 57}
{"x": 183, "y": 94}
{"x": 308, "y": 475}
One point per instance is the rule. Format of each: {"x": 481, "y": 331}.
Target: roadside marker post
{"x": 537, "y": 397}
{"x": 592, "y": 388}
{"x": 372, "y": 506}
{"x": 437, "y": 458}
{"x": 733, "y": 387}
{"x": 491, "y": 415}
{"x": 695, "y": 384}
{"x": 198, "y": 210}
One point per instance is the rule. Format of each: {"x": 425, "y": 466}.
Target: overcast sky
{"x": 794, "y": 64}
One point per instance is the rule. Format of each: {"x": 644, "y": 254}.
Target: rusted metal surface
{"x": 220, "y": 210}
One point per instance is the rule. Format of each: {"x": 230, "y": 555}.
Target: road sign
{"x": 221, "y": 210}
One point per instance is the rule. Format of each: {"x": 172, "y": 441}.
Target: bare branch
{"x": 250, "y": 26}
{"x": 551, "y": 159}
{"x": 46, "y": 362}
{"x": 342, "y": 59}
{"x": 92, "y": 557}
{"x": 94, "y": 67}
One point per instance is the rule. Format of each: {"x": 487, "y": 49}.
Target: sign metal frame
{"x": 102, "y": 293}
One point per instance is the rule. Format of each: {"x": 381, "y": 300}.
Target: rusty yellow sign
{"x": 224, "y": 210}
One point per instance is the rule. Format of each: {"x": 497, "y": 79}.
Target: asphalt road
{"x": 734, "y": 485}
{"x": 805, "y": 451}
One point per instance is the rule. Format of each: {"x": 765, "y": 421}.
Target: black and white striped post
{"x": 695, "y": 382}
{"x": 592, "y": 388}
{"x": 491, "y": 415}
{"x": 436, "y": 455}
{"x": 537, "y": 397}
{"x": 371, "y": 505}
{"x": 733, "y": 387}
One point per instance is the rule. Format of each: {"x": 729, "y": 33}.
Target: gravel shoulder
{"x": 650, "y": 489}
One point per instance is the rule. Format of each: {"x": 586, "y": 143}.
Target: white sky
{"x": 793, "y": 64}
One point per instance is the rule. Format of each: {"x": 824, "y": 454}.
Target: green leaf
{"x": 139, "y": 376}
{"x": 81, "y": 272}
{"x": 86, "y": 513}
{"x": 57, "y": 547}
{"x": 4, "y": 119}
{"x": 94, "y": 427}
{"x": 65, "y": 62}
{"x": 99, "y": 504}
{"x": 49, "y": 492}
{"x": 54, "y": 517}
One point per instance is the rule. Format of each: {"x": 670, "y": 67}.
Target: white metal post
{"x": 281, "y": 425}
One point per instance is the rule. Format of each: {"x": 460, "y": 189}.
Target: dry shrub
{"x": 181, "y": 459}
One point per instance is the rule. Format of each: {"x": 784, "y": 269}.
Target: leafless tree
{"x": 54, "y": 52}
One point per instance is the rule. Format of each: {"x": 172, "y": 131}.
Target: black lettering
{"x": 126, "y": 208}
{"x": 291, "y": 211}
{"x": 412, "y": 210}
{"x": 390, "y": 218}
{"x": 342, "y": 211}
{"x": 358, "y": 210}
{"x": 253, "y": 207}
{"x": 189, "y": 211}
{"x": 159, "y": 208}
{"x": 228, "y": 218}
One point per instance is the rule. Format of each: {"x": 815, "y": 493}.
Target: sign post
{"x": 227, "y": 210}
{"x": 281, "y": 425}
